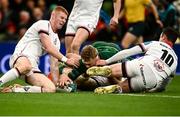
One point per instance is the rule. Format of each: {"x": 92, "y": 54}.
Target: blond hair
{"x": 89, "y": 52}
{"x": 60, "y": 9}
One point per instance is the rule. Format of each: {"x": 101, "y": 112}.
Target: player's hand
{"x": 64, "y": 80}
{"x": 73, "y": 55}
{"x": 72, "y": 62}
{"x": 113, "y": 22}
{"x": 159, "y": 23}
{"x": 101, "y": 62}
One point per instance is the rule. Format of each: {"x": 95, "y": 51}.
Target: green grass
{"x": 87, "y": 103}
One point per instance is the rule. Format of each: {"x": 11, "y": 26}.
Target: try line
{"x": 143, "y": 95}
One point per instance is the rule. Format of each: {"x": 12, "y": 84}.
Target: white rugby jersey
{"x": 30, "y": 44}
{"x": 160, "y": 57}
{"x": 86, "y": 9}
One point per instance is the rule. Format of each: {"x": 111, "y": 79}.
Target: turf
{"x": 88, "y": 104}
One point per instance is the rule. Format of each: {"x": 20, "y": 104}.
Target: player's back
{"x": 161, "y": 58}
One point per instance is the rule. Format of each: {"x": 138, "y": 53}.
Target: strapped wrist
{"x": 64, "y": 59}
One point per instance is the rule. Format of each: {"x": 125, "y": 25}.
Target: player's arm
{"x": 54, "y": 69}
{"x": 156, "y": 15}
{"x": 74, "y": 72}
{"x": 117, "y": 7}
{"x": 50, "y": 48}
{"x": 122, "y": 13}
{"x": 64, "y": 71}
{"x": 69, "y": 74}
{"x": 126, "y": 53}
{"x": 53, "y": 51}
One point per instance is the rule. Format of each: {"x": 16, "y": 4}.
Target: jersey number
{"x": 167, "y": 58}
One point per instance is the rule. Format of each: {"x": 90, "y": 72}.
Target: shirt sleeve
{"x": 145, "y": 46}
{"x": 42, "y": 27}
{"x": 125, "y": 53}
{"x": 77, "y": 71}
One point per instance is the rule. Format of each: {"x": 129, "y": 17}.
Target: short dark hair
{"x": 171, "y": 34}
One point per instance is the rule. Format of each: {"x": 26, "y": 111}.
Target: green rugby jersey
{"x": 105, "y": 50}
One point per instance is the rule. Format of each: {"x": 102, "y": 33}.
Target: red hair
{"x": 61, "y": 9}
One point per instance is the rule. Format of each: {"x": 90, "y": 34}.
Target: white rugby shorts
{"x": 32, "y": 60}
{"x": 140, "y": 75}
{"x": 73, "y": 25}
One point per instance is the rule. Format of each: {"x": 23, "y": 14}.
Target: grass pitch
{"x": 89, "y": 104}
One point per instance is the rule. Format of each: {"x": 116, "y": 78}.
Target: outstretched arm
{"x": 53, "y": 51}
{"x": 156, "y": 15}
{"x": 124, "y": 54}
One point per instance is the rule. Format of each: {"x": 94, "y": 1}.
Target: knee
{"x": 24, "y": 69}
{"x": 27, "y": 67}
{"x": 116, "y": 70}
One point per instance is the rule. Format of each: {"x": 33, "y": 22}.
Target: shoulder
{"x": 42, "y": 25}
{"x": 151, "y": 42}
{"x": 42, "y": 22}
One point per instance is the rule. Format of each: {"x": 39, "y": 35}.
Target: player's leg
{"x": 121, "y": 87}
{"x": 113, "y": 70}
{"x": 69, "y": 35}
{"x": 131, "y": 37}
{"x": 42, "y": 83}
{"x": 21, "y": 66}
{"x": 81, "y": 35}
{"x": 139, "y": 40}
{"x": 118, "y": 71}
{"x": 39, "y": 83}
{"x": 68, "y": 42}
{"x": 140, "y": 77}
{"x": 99, "y": 71}
{"x": 16, "y": 88}
{"x": 86, "y": 84}
{"x": 127, "y": 40}
{"x": 9, "y": 89}
{"x": 90, "y": 83}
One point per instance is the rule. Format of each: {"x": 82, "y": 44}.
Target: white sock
{"x": 9, "y": 76}
{"x": 28, "y": 89}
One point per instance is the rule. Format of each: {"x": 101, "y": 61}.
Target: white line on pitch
{"x": 143, "y": 95}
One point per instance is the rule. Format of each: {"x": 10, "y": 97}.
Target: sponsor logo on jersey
{"x": 159, "y": 65}
{"x": 142, "y": 73}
